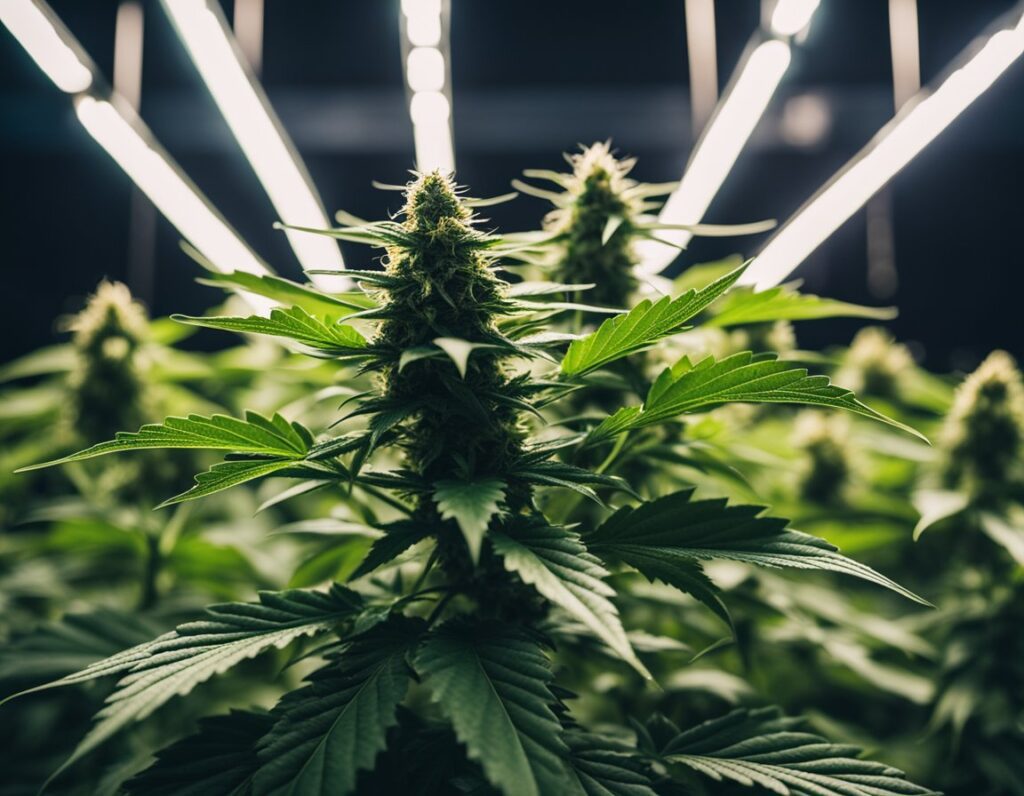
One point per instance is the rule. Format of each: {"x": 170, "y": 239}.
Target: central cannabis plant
{"x": 440, "y": 665}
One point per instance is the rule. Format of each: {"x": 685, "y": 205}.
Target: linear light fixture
{"x": 204, "y": 32}
{"x": 116, "y": 127}
{"x": 128, "y": 141}
{"x": 895, "y": 145}
{"x": 425, "y": 54}
{"x": 740, "y": 109}
{"x": 49, "y": 44}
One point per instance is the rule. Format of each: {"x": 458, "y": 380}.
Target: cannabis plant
{"x": 440, "y": 662}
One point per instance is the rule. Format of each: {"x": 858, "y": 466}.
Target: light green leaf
{"x": 458, "y": 350}
{"x": 783, "y": 303}
{"x": 556, "y": 563}
{"x": 672, "y": 531}
{"x": 740, "y": 378}
{"x": 471, "y": 504}
{"x": 177, "y": 662}
{"x": 700, "y": 275}
{"x": 761, "y": 748}
{"x": 935, "y": 505}
{"x": 327, "y": 732}
{"x": 491, "y": 680}
{"x": 641, "y": 327}
{"x": 256, "y": 434}
{"x": 1002, "y": 532}
{"x": 326, "y": 335}
{"x": 293, "y": 294}
{"x": 219, "y": 758}
{"x": 610, "y": 227}
{"x": 225, "y": 475}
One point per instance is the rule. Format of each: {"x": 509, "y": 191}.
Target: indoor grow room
{"x": 447, "y": 397}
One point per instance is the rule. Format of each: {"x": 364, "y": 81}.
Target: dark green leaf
{"x": 761, "y": 748}
{"x": 556, "y": 563}
{"x": 491, "y": 680}
{"x": 325, "y": 733}
{"x": 672, "y": 533}
{"x": 740, "y": 378}
{"x": 642, "y": 326}
{"x": 218, "y": 759}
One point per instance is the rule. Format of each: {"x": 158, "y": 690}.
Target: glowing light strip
{"x": 127, "y": 140}
{"x": 210, "y": 45}
{"x": 893, "y": 147}
{"x": 426, "y": 75}
{"x": 717, "y": 151}
{"x": 48, "y": 43}
{"x": 730, "y": 128}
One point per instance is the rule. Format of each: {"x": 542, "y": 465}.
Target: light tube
{"x": 893, "y": 147}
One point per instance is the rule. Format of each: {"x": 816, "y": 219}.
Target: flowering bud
{"x": 875, "y": 363}
{"x": 982, "y": 435}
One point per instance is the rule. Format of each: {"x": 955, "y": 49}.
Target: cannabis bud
{"x": 824, "y": 440}
{"x": 106, "y": 389}
{"x": 985, "y": 427}
{"x": 875, "y": 363}
{"x": 596, "y": 218}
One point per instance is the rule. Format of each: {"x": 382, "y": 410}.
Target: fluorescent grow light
{"x": 264, "y": 142}
{"x": 893, "y": 147}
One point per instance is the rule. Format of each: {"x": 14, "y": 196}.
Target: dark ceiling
{"x": 531, "y": 79}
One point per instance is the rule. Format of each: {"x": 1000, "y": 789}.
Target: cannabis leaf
{"x": 228, "y": 474}
{"x": 556, "y": 563}
{"x": 289, "y": 293}
{"x": 397, "y": 538}
{"x": 665, "y": 538}
{"x": 740, "y": 378}
{"x": 491, "y": 680}
{"x": 601, "y": 767}
{"x": 325, "y": 733}
{"x": 325, "y": 336}
{"x": 219, "y": 758}
{"x": 641, "y": 327}
{"x": 471, "y": 503}
{"x": 256, "y": 434}
{"x": 762, "y": 748}
{"x": 783, "y": 303}
{"x": 175, "y": 663}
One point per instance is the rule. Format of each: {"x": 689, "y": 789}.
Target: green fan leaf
{"x": 326, "y": 336}
{"x": 556, "y": 563}
{"x": 289, "y": 293}
{"x": 601, "y": 767}
{"x": 740, "y": 378}
{"x": 219, "y": 758}
{"x": 642, "y": 326}
{"x": 255, "y": 434}
{"x": 761, "y": 748}
{"x": 492, "y": 682}
{"x": 675, "y": 532}
{"x": 177, "y": 662}
{"x": 327, "y": 732}
{"x": 228, "y": 474}
{"x": 783, "y": 303}
{"x": 472, "y": 504}
{"x": 397, "y": 538}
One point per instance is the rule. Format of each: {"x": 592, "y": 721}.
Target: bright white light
{"x": 264, "y": 143}
{"x": 717, "y": 151}
{"x": 430, "y": 113}
{"x": 805, "y": 120}
{"x": 36, "y": 31}
{"x": 177, "y": 199}
{"x": 425, "y": 69}
{"x": 895, "y": 146}
{"x": 792, "y": 16}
